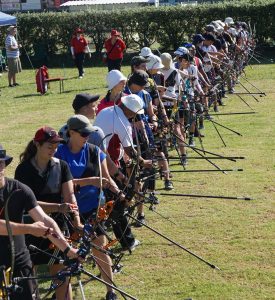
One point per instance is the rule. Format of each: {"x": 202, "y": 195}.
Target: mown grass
{"x": 235, "y": 235}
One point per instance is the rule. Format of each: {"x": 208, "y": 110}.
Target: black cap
{"x": 83, "y": 99}
{"x": 139, "y": 77}
{"x": 137, "y": 60}
{"x": 209, "y": 37}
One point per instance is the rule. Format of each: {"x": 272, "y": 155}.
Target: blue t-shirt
{"x": 87, "y": 197}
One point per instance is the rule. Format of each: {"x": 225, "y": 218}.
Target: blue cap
{"x": 187, "y": 45}
{"x": 197, "y": 38}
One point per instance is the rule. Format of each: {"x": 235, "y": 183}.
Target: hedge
{"x": 50, "y": 32}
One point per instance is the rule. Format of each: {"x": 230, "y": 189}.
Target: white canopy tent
{"x": 6, "y": 19}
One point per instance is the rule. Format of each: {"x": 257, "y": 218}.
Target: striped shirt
{"x": 11, "y": 41}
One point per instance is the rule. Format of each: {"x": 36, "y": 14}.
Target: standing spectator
{"x": 114, "y": 47}
{"x": 12, "y": 48}
{"x": 79, "y": 47}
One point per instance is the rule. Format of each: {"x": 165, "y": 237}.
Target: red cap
{"x": 47, "y": 134}
{"x": 115, "y": 33}
{"x": 79, "y": 30}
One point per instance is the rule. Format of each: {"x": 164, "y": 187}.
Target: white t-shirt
{"x": 11, "y": 41}
{"x": 113, "y": 121}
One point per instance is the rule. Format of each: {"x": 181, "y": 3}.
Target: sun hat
{"x": 113, "y": 78}
{"x": 146, "y": 51}
{"x": 210, "y": 28}
{"x": 4, "y": 157}
{"x": 228, "y": 21}
{"x": 154, "y": 63}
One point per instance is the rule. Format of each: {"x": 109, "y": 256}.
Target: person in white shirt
{"x": 12, "y": 48}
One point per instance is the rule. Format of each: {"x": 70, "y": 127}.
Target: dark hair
{"x": 187, "y": 57}
{"x": 29, "y": 151}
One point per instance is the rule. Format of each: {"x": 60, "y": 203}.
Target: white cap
{"x": 145, "y": 51}
{"x": 154, "y": 63}
{"x": 113, "y": 78}
{"x": 219, "y": 22}
{"x": 134, "y": 103}
{"x": 228, "y": 21}
{"x": 181, "y": 51}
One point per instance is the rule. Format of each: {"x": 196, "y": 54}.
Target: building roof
{"x": 98, "y": 2}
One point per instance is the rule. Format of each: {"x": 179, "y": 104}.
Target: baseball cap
{"x": 154, "y": 63}
{"x": 47, "y": 134}
{"x": 181, "y": 51}
{"x": 137, "y": 60}
{"x": 139, "y": 77}
{"x": 4, "y": 157}
{"x": 115, "y": 33}
{"x": 113, "y": 78}
{"x": 79, "y": 30}
{"x": 145, "y": 51}
{"x": 83, "y": 99}
{"x": 80, "y": 124}
{"x": 197, "y": 38}
{"x": 134, "y": 103}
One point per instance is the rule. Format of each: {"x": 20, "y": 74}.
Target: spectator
{"x": 115, "y": 48}
{"x": 12, "y": 48}
{"x": 79, "y": 47}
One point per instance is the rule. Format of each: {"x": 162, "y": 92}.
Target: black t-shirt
{"x": 21, "y": 200}
{"x": 47, "y": 186}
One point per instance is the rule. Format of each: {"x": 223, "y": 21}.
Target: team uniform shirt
{"x": 172, "y": 81}
{"x": 21, "y": 201}
{"x": 95, "y": 138}
{"x": 79, "y": 44}
{"x": 11, "y": 41}
{"x": 207, "y": 62}
{"x": 113, "y": 121}
{"x": 47, "y": 187}
{"x": 117, "y": 51}
{"x": 105, "y": 102}
{"x": 87, "y": 197}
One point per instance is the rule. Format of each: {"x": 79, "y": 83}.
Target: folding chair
{"x": 43, "y": 79}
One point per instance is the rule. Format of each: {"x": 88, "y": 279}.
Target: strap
{"x": 112, "y": 48}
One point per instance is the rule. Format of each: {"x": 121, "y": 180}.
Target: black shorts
{"x": 28, "y": 289}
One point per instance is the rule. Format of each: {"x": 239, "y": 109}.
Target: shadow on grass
{"x": 28, "y": 95}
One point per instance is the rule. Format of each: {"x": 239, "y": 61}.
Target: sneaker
{"x": 191, "y": 141}
{"x": 11, "y": 85}
{"x": 231, "y": 91}
{"x": 168, "y": 184}
{"x": 80, "y": 77}
{"x": 134, "y": 245}
{"x": 111, "y": 296}
{"x": 208, "y": 117}
{"x": 16, "y": 84}
{"x": 201, "y": 125}
{"x": 141, "y": 219}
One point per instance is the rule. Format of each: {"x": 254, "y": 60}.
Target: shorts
{"x": 14, "y": 65}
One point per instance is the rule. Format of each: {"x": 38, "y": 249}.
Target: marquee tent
{"x": 6, "y": 19}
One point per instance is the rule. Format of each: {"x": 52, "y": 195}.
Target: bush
{"x": 168, "y": 26}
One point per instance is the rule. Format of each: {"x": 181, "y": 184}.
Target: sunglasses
{"x": 83, "y": 134}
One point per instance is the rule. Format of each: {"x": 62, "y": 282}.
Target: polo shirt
{"x": 78, "y": 44}
{"x": 117, "y": 51}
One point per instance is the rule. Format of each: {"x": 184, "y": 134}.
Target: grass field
{"x": 235, "y": 235}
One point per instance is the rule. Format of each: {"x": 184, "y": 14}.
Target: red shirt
{"x": 78, "y": 44}
{"x": 105, "y": 103}
{"x": 118, "y": 49}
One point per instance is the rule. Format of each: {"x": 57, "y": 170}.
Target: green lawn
{"x": 235, "y": 235}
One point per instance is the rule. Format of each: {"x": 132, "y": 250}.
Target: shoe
{"x": 201, "y": 126}
{"x": 16, "y": 84}
{"x": 184, "y": 160}
{"x": 208, "y": 117}
{"x": 191, "y": 141}
{"x": 216, "y": 108}
{"x": 168, "y": 185}
{"x": 134, "y": 245}
{"x": 221, "y": 103}
{"x": 141, "y": 219}
{"x": 154, "y": 199}
{"x": 231, "y": 91}
{"x": 80, "y": 77}
{"x": 11, "y": 85}
{"x": 111, "y": 296}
